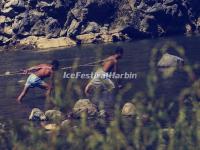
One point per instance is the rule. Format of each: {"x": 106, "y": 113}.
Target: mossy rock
{"x": 85, "y": 106}
{"x": 54, "y": 115}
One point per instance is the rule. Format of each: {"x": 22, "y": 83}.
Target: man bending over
{"x": 109, "y": 65}
{"x": 35, "y": 79}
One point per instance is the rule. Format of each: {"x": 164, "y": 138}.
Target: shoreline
{"x": 45, "y": 46}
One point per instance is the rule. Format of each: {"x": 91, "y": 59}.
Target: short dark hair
{"x": 119, "y": 50}
{"x": 55, "y": 64}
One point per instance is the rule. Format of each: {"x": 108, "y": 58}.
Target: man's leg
{"x": 88, "y": 89}
{"x": 109, "y": 85}
{"x": 47, "y": 87}
{"x": 23, "y": 93}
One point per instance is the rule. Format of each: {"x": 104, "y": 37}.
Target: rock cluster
{"x": 82, "y": 106}
{"x": 89, "y": 21}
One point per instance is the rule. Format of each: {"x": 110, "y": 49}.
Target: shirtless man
{"x": 37, "y": 74}
{"x": 108, "y": 65}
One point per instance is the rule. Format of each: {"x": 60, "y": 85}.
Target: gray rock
{"x": 38, "y": 28}
{"x": 91, "y": 27}
{"x": 44, "y": 6}
{"x": 13, "y": 7}
{"x": 5, "y": 20}
{"x": 169, "y": 60}
{"x": 52, "y": 28}
{"x": 21, "y": 24}
{"x": 9, "y": 12}
{"x": 148, "y": 24}
{"x": 54, "y": 115}
{"x": 73, "y": 27}
{"x": 37, "y": 115}
{"x": 87, "y": 38}
{"x": 35, "y": 16}
{"x": 172, "y": 10}
{"x": 170, "y": 2}
{"x": 4, "y": 40}
{"x": 85, "y": 106}
{"x": 155, "y": 9}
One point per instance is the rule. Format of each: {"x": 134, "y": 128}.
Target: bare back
{"x": 44, "y": 70}
{"x": 109, "y": 64}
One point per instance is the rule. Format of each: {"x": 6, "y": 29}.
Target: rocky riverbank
{"x": 62, "y": 23}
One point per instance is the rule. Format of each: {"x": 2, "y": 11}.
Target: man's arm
{"x": 33, "y": 69}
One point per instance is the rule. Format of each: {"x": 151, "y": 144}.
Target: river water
{"x": 136, "y": 59}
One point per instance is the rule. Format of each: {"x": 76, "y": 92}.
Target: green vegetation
{"x": 162, "y": 122}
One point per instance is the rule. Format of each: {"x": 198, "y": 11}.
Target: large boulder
{"x": 52, "y": 28}
{"x": 129, "y": 109}
{"x": 44, "y": 43}
{"x": 169, "y": 60}
{"x": 85, "y": 106}
{"x": 87, "y": 38}
{"x": 54, "y": 115}
{"x": 37, "y": 115}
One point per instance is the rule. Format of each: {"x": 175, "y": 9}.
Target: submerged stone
{"x": 169, "y": 60}
{"x": 129, "y": 109}
{"x": 37, "y": 115}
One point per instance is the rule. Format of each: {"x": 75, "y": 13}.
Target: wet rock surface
{"x": 85, "y": 106}
{"x": 102, "y": 21}
{"x": 37, "y": 115}
{"x": 168, "y": 60}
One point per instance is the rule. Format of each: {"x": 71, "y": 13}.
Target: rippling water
{"x": 136, "y": 59}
